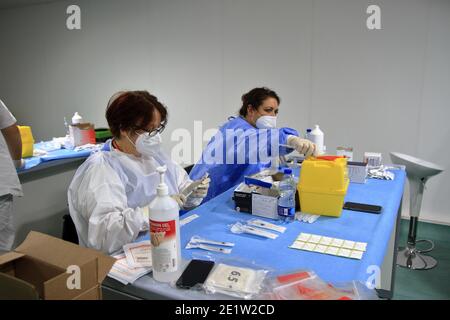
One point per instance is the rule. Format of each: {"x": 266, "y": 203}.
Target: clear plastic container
{"x": 286, "y": 201}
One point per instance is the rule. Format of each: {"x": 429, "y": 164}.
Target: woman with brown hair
{"x": 249, "y": 143}
{"x": 109, "y": 193}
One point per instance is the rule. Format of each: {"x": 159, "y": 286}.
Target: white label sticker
{"x": 304, "y": 237}
{"x": 314, "y": 239}
{"x": 356, "y": 255}
{"x": 232, "y": 278}
{"x": 188, "y": 219}
{"x": 348, "y": 244}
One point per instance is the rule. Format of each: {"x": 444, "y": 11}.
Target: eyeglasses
{"x": 154, "y": 132}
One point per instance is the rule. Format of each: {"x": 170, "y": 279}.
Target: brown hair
{"x": 133, "y": 110}
{"x": 255, "y": 98}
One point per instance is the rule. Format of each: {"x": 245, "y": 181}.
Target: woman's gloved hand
{"x": 302, "y": 146}
{"x": 193, "y": 195}
{"x": 180, "y": 199}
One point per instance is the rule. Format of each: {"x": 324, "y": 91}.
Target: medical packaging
{"x": 139, "y": 254}
{"x": 197, "y": 242}
{"x": 260, "y": 195}
{"x": 234, "y": 280}
{"x": 323, "y": 185}
{"x": 308, "y": 218}
{"x": 373, "y": 159}
{"x": 125, "y": 274}
{"x": 332, "y": 246}
{"x": 239, "y": 228}
{"x": 266, "y": 225}
{"x": 310, "y": 288}
{"x": 381, "y": 173}
{"x": 257, "y": 201}
{"x": 307, "y": 285}
{"x": 194, "y": 245}
{"x": 197, "y": 239}
{"x": 46, "y": 265}
{"x": 357, "y": 172}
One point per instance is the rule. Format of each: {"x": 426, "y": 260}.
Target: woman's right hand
{"x": 302, "y": 146}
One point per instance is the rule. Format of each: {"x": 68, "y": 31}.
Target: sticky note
{"x": 314, "y": 239}
{"x": 361, "y": 246}
{"x": 320, "y": 248}
{"x": 348, "y": 244}
{"x": 332, "y": 250}
{"x": 309, "y": 247}
{"x": 304, "y": 237}
{"x": 298, "y": 245}
{"x": 337, "y": 243}
{"x": 325, "y": 241}
{"x": 332, "y": 246}
{"x": 356, "y": 254}
{"x": 344, "y": 253}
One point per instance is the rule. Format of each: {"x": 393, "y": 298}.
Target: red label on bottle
{"x": 165, "y": 229}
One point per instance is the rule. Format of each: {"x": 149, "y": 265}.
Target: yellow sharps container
{"x": 27, "y": 141}
{"x": 323, "y": 185}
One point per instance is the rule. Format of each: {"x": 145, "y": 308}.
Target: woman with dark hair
{"x": 110, "y": 192}
{"x": 247, "y": 144}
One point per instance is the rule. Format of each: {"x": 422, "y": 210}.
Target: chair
{"x": 189, "y": 168}
{"x": 69, "y": 232}
{"x": 418, "y": 172}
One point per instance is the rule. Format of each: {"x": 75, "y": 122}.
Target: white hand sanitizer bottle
{"x": 76, "y": 119}
{"x": 165, "y": 233}
{"x": 317, "y": 137}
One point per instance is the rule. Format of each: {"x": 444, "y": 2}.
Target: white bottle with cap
{"x": 317, "y": 137}
{"x": 76, "y": 119}
{"x": 165, "y": 233}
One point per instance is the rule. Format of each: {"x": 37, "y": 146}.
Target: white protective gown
{"x": 110, "y": 191}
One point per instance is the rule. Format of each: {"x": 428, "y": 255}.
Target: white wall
{"x": 386, "y": 90}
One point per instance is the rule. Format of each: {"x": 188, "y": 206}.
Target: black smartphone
{"x": 195, "y": 273}
{"x": 362, "y": 207}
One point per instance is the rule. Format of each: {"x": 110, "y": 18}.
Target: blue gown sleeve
{"x": 283, "y": 134}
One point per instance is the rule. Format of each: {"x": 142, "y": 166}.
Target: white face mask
{"x": 148, "y": 146}
{"x": 266, "y": 122}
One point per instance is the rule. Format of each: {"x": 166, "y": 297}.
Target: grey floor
{"x": 430, "y": 284}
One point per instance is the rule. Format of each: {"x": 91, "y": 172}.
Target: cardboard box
{"x": 260, "y": 201}
{"x": 357, "y": 172}
{"x": 44, "y": 263}
{"x": 263, "y": 203}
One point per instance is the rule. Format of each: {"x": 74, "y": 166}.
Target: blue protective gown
{"x": 224, "y": 174}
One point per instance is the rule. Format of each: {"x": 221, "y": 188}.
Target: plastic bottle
{"x": 165, "y": 233}
{"x": 308, "y": 133}
{"x": 76, "y": 119}
{"x": 317, "y": 137}
{"x": 286, "y": 201}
